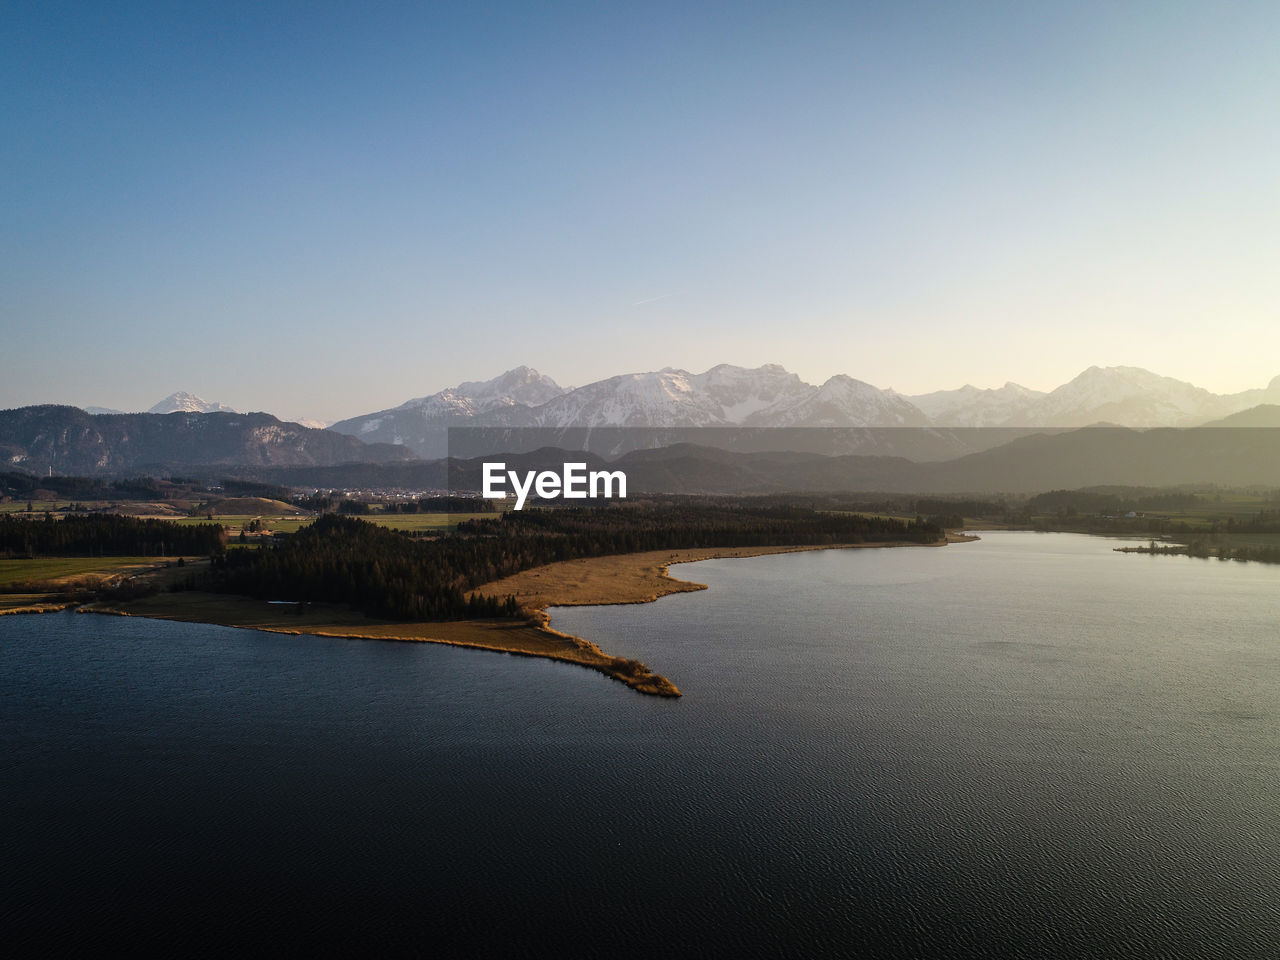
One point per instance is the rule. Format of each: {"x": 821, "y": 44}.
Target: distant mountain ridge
{"x": 770, "y": 396}
{"x": 896, "y": 439}
{"x": 69, "y": 441}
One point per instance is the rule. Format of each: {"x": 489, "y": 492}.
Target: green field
{"x": 395, "y": 521}
{"x": 39, "y": 506}
{"x": 425, "y": 521}
{"x": 236, "y": 521}
{"x": 47, "y": 569}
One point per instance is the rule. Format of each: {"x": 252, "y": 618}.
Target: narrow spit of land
{"x": 343, "y": 577}
{"x": 624, "y": 578}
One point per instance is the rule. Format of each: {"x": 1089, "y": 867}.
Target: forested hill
{"x": 387, "y": 574}
{"x": 67, "y": 440}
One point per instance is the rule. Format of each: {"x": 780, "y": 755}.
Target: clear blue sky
{"x": 323, "y": 209}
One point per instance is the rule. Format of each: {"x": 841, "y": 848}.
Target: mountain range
{"x": 851, "y": 434}
{"x": 770, "y": 397}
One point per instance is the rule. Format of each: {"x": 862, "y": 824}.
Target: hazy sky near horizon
{"x": 324, "y": 209}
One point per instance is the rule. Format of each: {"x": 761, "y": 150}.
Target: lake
{"x": 1025, "y": 746}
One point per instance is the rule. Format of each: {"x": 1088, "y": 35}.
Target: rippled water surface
{"x": 1026, "y": 746}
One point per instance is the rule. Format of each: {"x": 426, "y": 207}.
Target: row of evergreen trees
{"x": 107, "y": 535}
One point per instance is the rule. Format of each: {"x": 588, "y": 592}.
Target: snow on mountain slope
{"x": 770, "y": 396}
{"x": 522, "y": 386}
{"x": 422, "y": 423}
{"x": 666, "y": 398}
{"x": 973, "y": 407}
{"x": 1128, "y": 396}
{"x": 845, "y": 402}
{"x": 183, "y": 402}
{"x": 725, "y": 395}
{"x": 740, "y": 392}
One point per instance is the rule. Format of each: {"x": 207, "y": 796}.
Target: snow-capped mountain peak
{"x": 183, "y": 402}
{"x": 522, "y": 386}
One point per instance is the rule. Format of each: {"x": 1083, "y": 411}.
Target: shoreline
{"x": 596, "y": 581}
{"x": 37, "y": 608}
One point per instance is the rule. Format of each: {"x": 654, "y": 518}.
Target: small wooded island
{"x": 485, "y": 585}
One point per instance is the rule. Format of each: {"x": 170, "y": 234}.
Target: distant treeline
{"x": 386, "y": 574}
{"x": 440, "y": 505}
{"x": 1138, "y": 500}
{"x": 927, "y": 506}
{"x": 1206, "y": 547}
{"x": 1265, "y": 521}
{"x": 107, "y": 535}
{"x": 898, "y": 504}
{"x": 251, "y": 488}
{"x": 327, "y": 502}
{"x": 875, "y": 503}
{"x": 23, "y": 486}
{"x": 567, "y": 533}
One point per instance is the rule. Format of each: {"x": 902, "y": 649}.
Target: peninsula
{"x": 489, "y": 585}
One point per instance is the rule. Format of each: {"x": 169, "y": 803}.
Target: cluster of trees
{"x": 342, "y": 559}
{"x": 315, "y": 502}
{"x": 107, "y": 535}
{"x": 386, "y": 574}
{"x": 1211, "y": 547}
{"x": 233, "y": 487}
{"x": 1259, "y": 553}
{"x": 1264, "y": 521}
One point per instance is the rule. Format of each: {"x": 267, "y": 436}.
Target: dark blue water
{"x": 1028, "y": 746}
